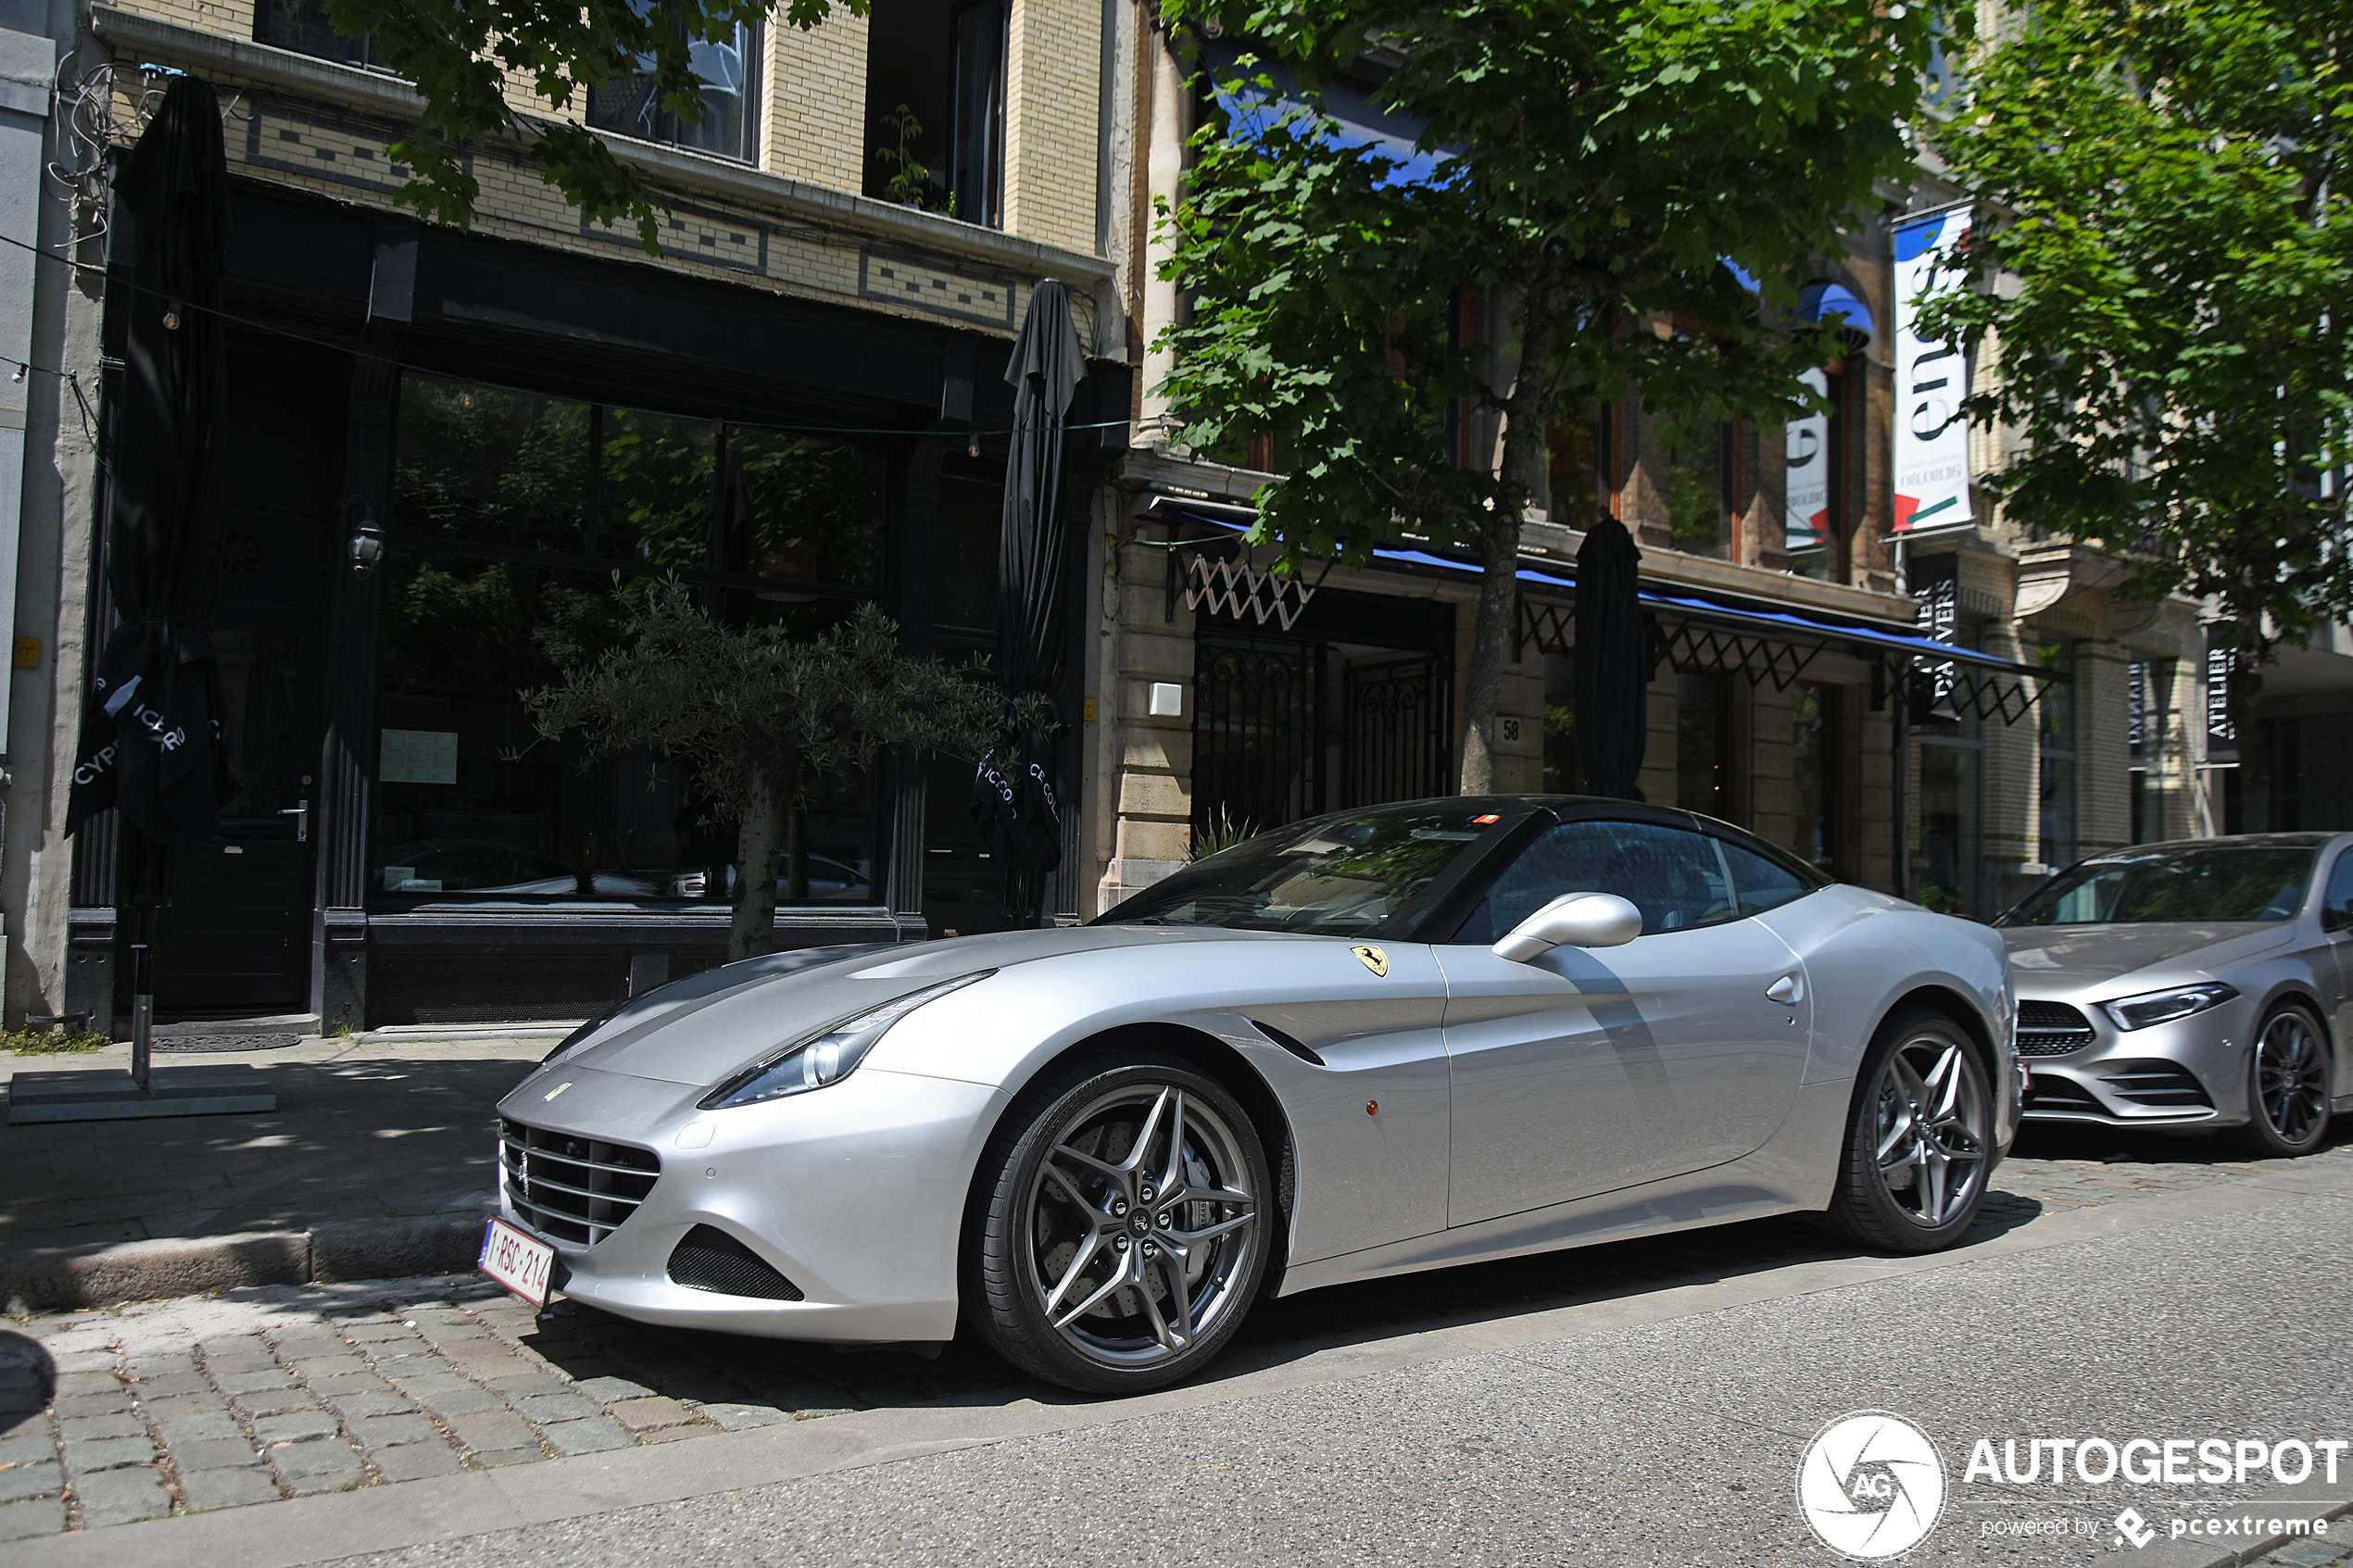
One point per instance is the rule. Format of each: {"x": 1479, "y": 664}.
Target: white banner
{"x": 1807, "y": 496}
{"x": 1931, "y": 436}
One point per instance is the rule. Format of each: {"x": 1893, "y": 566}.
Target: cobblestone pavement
{"x": 209, "y": 1402}
{"x": 2334, "y": 1551}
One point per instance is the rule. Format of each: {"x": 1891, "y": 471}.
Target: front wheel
{"x": 1119, "y": 1233}
{"x": 2287, "y": 1088}
{"x": 1919, "y": 1139}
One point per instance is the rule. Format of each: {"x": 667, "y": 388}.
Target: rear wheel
{"x": 1919, "y": 1139}
{"x": 2288, "y": 1097}
{"x": 1118, "y": 1235}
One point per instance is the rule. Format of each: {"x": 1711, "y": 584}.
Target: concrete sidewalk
{"x": 378, "y": 1162}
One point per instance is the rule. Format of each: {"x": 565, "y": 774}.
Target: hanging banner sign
{"x": 2221, "y": 735}
{"x": 1808, "y": 503}
{"x": 1935, "y": 585}
{"x": 1931, "y": 377}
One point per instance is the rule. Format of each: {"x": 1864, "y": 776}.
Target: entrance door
{"x": 235, "y": 939}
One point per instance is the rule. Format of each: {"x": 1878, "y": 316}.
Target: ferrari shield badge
{"x": 1375, "y": 959}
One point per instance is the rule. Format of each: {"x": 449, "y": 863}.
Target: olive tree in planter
{"x": 755, "y": 717}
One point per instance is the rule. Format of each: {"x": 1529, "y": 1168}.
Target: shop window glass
{"x": 1704, "y": 744}
{"x": 729, "y": 69}
{"x": 1950, "y": 826}
{"x": 1810, "y": 500}
{"x": 1814, "y": 770}
{"x": 1699, "y": 504}
{"x": 302, "y": 26}
{"x": 513, "y": 514}
{"x": 1563, "y": 774}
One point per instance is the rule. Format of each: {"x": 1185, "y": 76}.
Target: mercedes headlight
{"x": 2164, "y": 1007}
{"x": 826, "y": 1058}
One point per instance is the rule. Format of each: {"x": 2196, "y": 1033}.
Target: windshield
{"x": 1379, "y": 873}
{"x": 2225, "y": 883}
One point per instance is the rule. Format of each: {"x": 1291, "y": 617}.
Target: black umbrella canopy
{"x": 1612, "y": 675}
{"x": 151, "y": 737}
{"x": 1016, "y": 796}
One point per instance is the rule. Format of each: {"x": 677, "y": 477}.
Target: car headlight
{"x": 826, "y": 1057}
{"x": 2164, "y": 1007}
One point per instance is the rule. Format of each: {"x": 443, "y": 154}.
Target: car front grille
{"x": 2159, "y": 1084}
{"x": 2051, "y": 1029}
{"x": 569, "y": 1188}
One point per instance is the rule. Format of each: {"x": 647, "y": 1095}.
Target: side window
{"x": 2337, "y": 910}
{"x": 1760, "y": 883}
{"x": 1674, "y": 877}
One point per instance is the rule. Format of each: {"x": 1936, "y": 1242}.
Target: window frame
{"x": 752, "y": 43}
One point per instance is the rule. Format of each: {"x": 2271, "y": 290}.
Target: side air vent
{"x": 2159, "y": 1084}
{"x": 1287, "y": 1042}
{"x": 708, "y": 1258}
{"x": 2051, "y": 1029}
{"x": 2062, "y": 1096}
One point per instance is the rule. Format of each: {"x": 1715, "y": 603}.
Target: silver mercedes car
{"x": 2201, "y": 983}
{"x": 1386, "y": 1040}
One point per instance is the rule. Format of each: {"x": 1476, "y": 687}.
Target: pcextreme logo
{"x": 1871, "y": 1485}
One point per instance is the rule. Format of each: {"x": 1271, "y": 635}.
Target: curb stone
{"x": 334, "y": 1252}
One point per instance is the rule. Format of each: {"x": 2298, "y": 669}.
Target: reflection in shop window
{"x": 1704, "y": 743}
{"x": 728, "y": 68}
{"x": 1814, "y": 769}
{"x": 1563, "y": 772}
{"x": 512, "y": 514}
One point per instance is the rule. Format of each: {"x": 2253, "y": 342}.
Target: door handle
{"x": 1786, "y": 990}
{"x": 301, "y": 814}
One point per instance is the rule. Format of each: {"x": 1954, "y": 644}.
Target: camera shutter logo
{"x": 1871, "y": 1485}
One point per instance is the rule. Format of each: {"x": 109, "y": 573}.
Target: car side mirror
{"x": 1573, "y": 920}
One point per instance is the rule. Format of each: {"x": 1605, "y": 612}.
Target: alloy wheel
{"x": 1933, "y": 1129}
{"x": 1140, "y": 1230}
{"x": 2291, "y": 1078}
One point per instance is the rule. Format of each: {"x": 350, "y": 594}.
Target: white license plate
{"x": 522, "y": 1264}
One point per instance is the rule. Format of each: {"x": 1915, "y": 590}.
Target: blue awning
{"x": 1675, "y": 601}
{"x": 1821, "y": 301}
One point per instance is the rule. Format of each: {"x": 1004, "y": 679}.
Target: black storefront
{"x": 442, "y": 449}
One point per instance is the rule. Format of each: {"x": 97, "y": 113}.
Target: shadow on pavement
{"x": 753, "y": 1380}
{"x": 28, "y": 1380}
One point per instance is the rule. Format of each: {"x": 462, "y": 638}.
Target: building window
{"x": 729, "y": 69}
{"x": 936, "y": 105}
{"x": 1576, "y": 477}
{"x": 2148, "y": 732}
{"x": 1704, "y": 743}
{"x": 1699, "y": 493}
{"x": 1811, "y": 500}
{"x": 302, "y": 26}
{"x": 512, "y": 514}
{"x": 2055, "y": 708}
{"x": 1814, "y": 771}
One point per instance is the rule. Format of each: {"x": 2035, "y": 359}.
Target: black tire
{"x": 2287, "y": 1085}
{"x": 1049, "y": 1196}
{"x": 1923, "y": 1085}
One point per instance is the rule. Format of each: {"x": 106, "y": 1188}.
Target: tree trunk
{"x": 796, "y": 846}
{"x": 2246, "y": 724}
{"x": 1498, "y": 584}
{"x": 760, "y": 836}
{"x": 1528, "y": 419}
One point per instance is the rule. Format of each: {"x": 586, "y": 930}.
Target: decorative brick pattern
{"x": 913, "y": 282}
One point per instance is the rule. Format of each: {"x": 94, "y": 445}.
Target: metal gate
{"x": 1398, "y": 729}
{"x": 1256, "y": 759}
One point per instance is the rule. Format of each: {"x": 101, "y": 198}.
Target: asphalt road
{"x": 1642, "y": 1403}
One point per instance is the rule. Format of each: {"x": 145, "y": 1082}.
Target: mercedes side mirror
{"x": 1573, "y": 920}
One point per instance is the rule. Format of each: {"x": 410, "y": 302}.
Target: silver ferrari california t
{"x": 1381, "y": 1041}
{"x": 2200, "y": 984}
